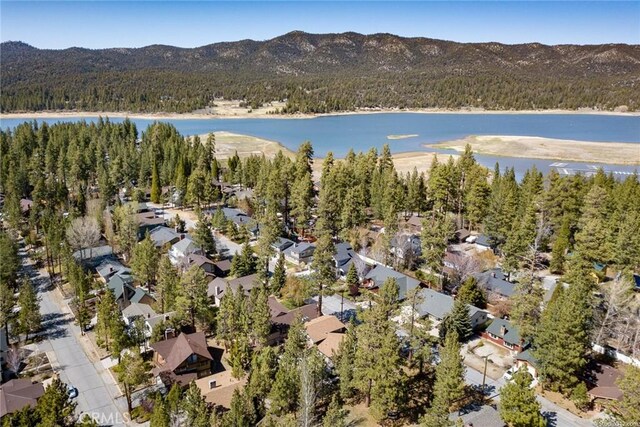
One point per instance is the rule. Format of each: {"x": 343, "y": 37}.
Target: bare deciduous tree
{"x": 83, "y": 233}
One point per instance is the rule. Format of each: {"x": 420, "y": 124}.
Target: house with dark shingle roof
{"x": 18, "y": 394}
{"x": 495, "y": 283}
{"x": 436, "y": 306}
{"x": 241, "y": 219}
{"x": 218, "y": 286}
{"x": 376, "y": 277}
{"x": 506, "y": 335}
{"x": 182, "y": 359}
{"x": 125, "y": 292}
{"x": 182, "y": 249}
{"x": 108, "y": 268}
{"x": 164, "y": 236}
{"x": 300, "y": 253}
{"x": 282, "y": 318}
{"x": 282, "y": 244}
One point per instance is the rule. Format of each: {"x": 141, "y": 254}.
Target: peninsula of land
{"x": 548, "y": 148}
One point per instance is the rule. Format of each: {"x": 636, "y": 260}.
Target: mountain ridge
{"x": 609, "y": 73}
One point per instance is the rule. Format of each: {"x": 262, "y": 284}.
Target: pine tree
{"x": 302, "y": 200}
{"x": 192, "y": 302}
{"x": 166, "y": 288}
{"x": 260, "y": 316}
{"x": 419, "y": 338}
{"x": 344, "y": 362}
{"x": 270, "y": 230}
{"x": 449, "y": 386}
{"x": 434, "y": 238}
{"x": 526, "y": 306}
{"x": 7, "y": 302}
{"x": 457, "y": 320}
{"x": 160, "y": 416}
{"x": 29, "y": 319}
{"x": 518, "y": 404}
{"x": 155, "y": 184}
{"x": 560, "y": 247}
{"x": 54, "y": 407}
{"x": 470, "y": 293}
{"x": 594, "y": 236}
{"x": 127, "y": 234}
{"x": 336, "y": 415}
{"x": 194, "y": 407}
{"x": 10, "y": 261}
{"x": 264, "y": 365}
{"x": 286, "y": 387}
{"x": 629, "y": 384}
{"x": 244, "y": 263}
{"x": 352, "y": 280}
{"x": 203, "y": 236}
{"x": 131, "y": 372}
{"x": 241, "y": 411}
{"x": 218, "y": 220}
{"x": 323, "y": 266}
{"x": 279, "y": 277}
{"x": 144, "y": 262}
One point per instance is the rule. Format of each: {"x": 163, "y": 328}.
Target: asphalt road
{"x": 555, "y": 415}
{"x": 98, "y": 395}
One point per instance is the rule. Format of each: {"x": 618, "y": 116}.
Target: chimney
{"x": 182, "y": 236}
{"x": 503, "y": 330}
{"x": 493, "y": 274}
{"x": 212, "y": 384}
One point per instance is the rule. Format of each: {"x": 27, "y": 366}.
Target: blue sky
{"x": 100, "y": 24}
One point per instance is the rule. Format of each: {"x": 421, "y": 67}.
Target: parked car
{"x": 73, "y": 392}
{"x": 508, "y": 375}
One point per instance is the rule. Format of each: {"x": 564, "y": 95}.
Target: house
{"x": 282, "y": 244}
{"x": 125, "y": 293}
{"x": 603, "y": 380}
{"x": 145, "y": 312}
{"x": 218, "y": 286}
{"x": 335, "y": 305}
{"x": 17, "y": 394}
{"x": 413, "y": 223}
{"x": 344, "y": 257}
{"x": 406, "y": 245}
{"x": 164, "y": 236}
{"x": 480, "y": 242}
{"x": 108, "y": 268}
{"x": 222, "y": 268}
{"x": 495, "y": 283}
{"x": 201, "y": 261}
{"x": 185, "y": 247}
{"x": 147, "y": 221}
{"x": 376, "y": 277}
{"x": 477, "y": 415}
{"x": 300, "y": 253}
{"x": 92, "y": 257}
{"x": 436, "y": 306}
{"x": 526, "y": 359}
{"x": 282, "y": 318}
{"x": 318, "y": 328}
{"x": 241, "y": 219}
{"x": 217, "y": 389}
{"x": 461, "y": 235}
{"x": 504, "y": 334}
{"x": 182, "y": 359}
{"x": 331, "y": 344}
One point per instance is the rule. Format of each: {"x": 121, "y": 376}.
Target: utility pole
{"x": 484, "y": 375}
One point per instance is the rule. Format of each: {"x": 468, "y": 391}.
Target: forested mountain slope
{"x": 322, "y": 73}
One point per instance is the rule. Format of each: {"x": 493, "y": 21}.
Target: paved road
{"x": 556, "y": 415}
{"x": 98, "y": 394}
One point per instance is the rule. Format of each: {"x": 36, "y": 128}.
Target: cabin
{"x": 181, "y": 250}
{"x": 376, "y": 277}
{"x": 504, "y": 334}
{"x": 436, "y": 305}
{"x": 300, "y": 253}
{"x": 182, "y": 359}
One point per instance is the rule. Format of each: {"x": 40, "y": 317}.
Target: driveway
{"x": 556, "y": 416}
{"x": 98, "y": 394}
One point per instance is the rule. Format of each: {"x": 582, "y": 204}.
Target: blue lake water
{"x": 363, "y": 131}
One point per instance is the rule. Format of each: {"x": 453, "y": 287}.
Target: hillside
{"x": 322, "y": 73}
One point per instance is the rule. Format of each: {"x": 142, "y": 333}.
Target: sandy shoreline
{"x": 617, "y": 153}
{"x": 236, "y": 113}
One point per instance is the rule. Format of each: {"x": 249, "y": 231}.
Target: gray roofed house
{"x": 125, "y": 292}
{"x": 437, "y": 305}
{"x": 503, "y": 333}
{"x": 379, "y": 274}
{"x": 343, "y": 257}
{"x": 162, "y": 236}
{"x": 94, "y": 256}
{"x": 405, "y": 244}
{"x": 240, "y": 219}
{"x": 299, "y": 253}
{"x": 494, "y": 281}
{"x": 218, "y": 286}
{"x": 282, "y": 244}
{"x": 183, "y": 249}
{"x": 334, "y": 305}
{"x": 109, "y": 267}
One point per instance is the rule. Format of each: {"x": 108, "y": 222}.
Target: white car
{"x": 508, "y": 376}
{"x": 73, "y": 392}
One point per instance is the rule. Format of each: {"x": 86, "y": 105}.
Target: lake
{"x": 363, "y": 131}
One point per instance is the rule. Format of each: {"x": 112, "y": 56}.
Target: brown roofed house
{"x": 217, "y": 389}
{"x": 330, "y": 345}
{"x": 604, "y": 379}
{"x": 319, "y": 328}
{"x": 282, "y": 318}
{"x": 18, "y": 394}
{"x": 182, "y": 359}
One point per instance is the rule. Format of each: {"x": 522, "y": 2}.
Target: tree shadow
{"x": 551, "y": 417}
{"x": 53, "y": 325}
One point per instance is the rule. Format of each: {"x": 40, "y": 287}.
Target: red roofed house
{"x": 182, "y": 359}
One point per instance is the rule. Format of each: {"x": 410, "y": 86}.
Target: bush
{"x": 580, "y": 397}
